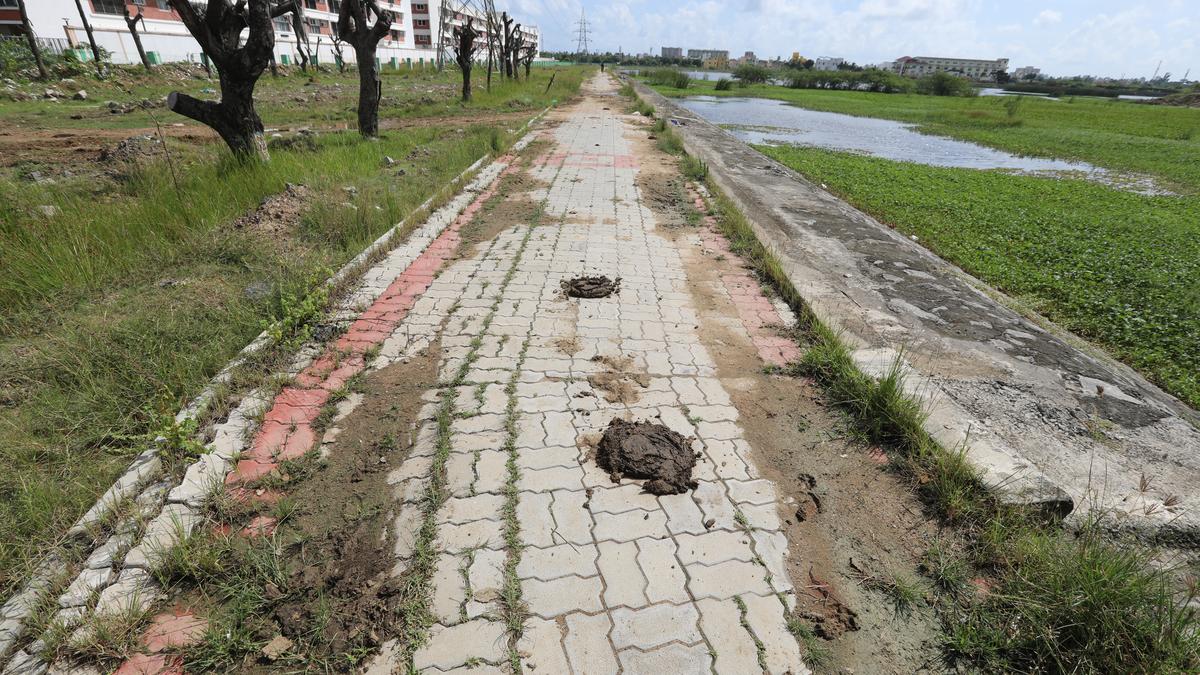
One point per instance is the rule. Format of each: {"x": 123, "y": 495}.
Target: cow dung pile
{"x": 591, "y": 287}
{"x": 650, "y": 451}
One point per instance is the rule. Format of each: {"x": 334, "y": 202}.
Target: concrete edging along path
{"x": 1044, "y": 421}
{"x": 166, "y": 506}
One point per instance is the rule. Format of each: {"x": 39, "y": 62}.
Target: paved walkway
{"x": 615, "y": 580}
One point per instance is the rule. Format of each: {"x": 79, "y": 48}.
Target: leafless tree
{"x": 464, "y": 53}
{"x": 515, "y": 47}
{"x": 489, "y": 14}
{"x": 33, "y": 43}
{"x": 507, "y": 31}
{"x": 355, "y": 28}
{"x": 132, "y": 22}
{"x": 300, "y": 28}
{"x": 528, "y": 54}
{"x": 87, "y": 26}
{"x": 218, "y": 28}
{"x": 337, "y": 54}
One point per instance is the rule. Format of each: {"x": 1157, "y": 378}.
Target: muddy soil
{"x": 840, "y": 502}
{"x": 591, "y": 287}
{"x": 619, "y": 382}
{"x": 649, "y": 451}
{"x": 340, "y": 560}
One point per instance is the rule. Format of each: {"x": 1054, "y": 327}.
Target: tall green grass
{"x": 119, "y": 308}
{"x": 1118, "y": 268}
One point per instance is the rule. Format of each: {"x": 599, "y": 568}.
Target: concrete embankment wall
{"x": 1047, "y": 419}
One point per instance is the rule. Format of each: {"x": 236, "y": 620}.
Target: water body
{"x": 992, "y": 91}
{"x": 770, "y": 122}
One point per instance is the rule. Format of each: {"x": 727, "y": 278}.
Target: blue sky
{"x": 1101, "y": 37}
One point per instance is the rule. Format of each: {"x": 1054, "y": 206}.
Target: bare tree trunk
{"x": 506, "y": 47}
{"x": 218, "y": 29}
{"x": 300, "y": 28}
{"x": 132, "y": 22}
{"x": 355, "y": 28}
{"x": 33, "y": 45}
{"x": 370, "y": 91}
{"x": 87, "y": 26}
{"x": 233, "y": 118}
{"x": 464, "y": 54}
{"x": 337, "y": 55}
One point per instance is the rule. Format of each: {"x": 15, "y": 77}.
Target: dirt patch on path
{"x": 339, "y": 566}
{"x": 650, "y": 451}
{"x": 618, "y": 381}
{"x": 839, "y": 503}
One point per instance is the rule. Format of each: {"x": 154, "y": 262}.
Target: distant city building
{"x": 672, "y": 52}
{"x": 749, "y": 57}
{"x": 827, "y": 63}
{"x": 1026, "y": 73}
{"x": 919, "y": 66}
{"x": 707, "y": 54}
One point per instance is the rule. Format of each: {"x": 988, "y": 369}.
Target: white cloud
{"x": 1047, "y": 17}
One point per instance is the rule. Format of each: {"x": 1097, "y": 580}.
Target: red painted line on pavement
{"x": 287, "y": 431}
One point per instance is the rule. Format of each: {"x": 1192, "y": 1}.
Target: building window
{"x": 335, "y": 6}
{"x": 109, "y": 7}
{"x": 8, "y": 3}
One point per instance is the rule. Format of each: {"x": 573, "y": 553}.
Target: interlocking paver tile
{"x": 587, "y": 646}
{"x": 655, "y": 625}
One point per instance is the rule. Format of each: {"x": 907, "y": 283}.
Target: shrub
{"x": 668, "y": 77}
{"x": 724, "y": 84}
{"x": 870, "y": 79}
{"x": 751, "y": 74}
{"x": 945, "y": 84}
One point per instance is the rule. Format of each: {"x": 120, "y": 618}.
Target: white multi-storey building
{"x": 827, "y": 63}
{"x": 412, "y": 41}
{"x": 976, "y": 69}
{"x": 1026, "y": 73}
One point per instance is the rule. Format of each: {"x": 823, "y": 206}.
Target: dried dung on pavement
{"x": 650, "y": 451}
{"x": 591, "y": 287}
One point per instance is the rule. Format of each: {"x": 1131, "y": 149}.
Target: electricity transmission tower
{"x": 581, "y": 34}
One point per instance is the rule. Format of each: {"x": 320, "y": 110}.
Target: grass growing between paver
{"x": 1063, "y": 601}
{"x": 1117, "y": 268}
{"x": 415, "y": 613}
{"x": 514, "y": 610}
{"x": 124, "y": 298}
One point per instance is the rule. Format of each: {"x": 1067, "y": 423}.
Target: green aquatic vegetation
{"x": 1118, "y": 268}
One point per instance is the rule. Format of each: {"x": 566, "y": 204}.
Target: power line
{"x": 581, "y": 34}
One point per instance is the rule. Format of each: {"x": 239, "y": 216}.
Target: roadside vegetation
{"x": 1115, "y": 267}
{"x": 131, "y": 280}
{"x": 1020, "y": 593}
{"x": 1118, "y": 268}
